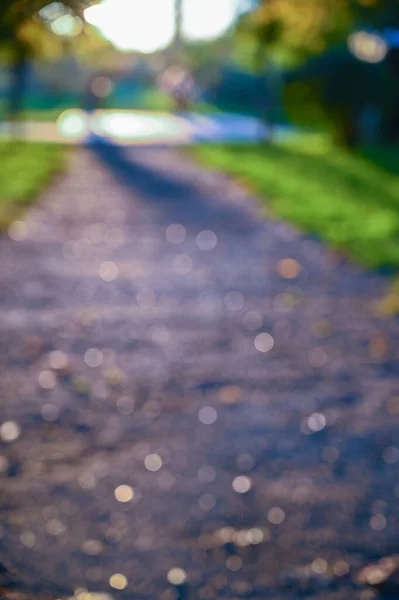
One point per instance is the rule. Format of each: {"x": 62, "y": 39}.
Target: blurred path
{"x": 156, "y": 333}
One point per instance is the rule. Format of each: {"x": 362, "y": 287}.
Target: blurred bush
{"x": 356, "y": 101}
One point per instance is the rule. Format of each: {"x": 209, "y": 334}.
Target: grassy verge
{"x": 350, "y": 200}
{"x": 25, "y": 170}
{"x": 151, "y": 99}
{"x": 43, "y": 116}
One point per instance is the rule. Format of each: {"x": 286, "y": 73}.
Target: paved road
{"x": 159, "y": 335}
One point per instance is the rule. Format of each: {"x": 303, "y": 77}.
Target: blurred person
{"x": 184, "y": 93}
{"x": 97, "y": 91}
{"x": 180, "y": 85}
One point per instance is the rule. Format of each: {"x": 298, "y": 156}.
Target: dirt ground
{"x": 158, "y": 333}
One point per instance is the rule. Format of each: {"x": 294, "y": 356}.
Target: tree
{"x": 322, "y": 94}
{"x": 295, "y": 30}
{"x": 24, "y": 32}
{"x": 299, "y": 32}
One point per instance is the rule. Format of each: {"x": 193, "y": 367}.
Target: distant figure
{"x": 98, "y": 89}
{"x": 180, "y": 85}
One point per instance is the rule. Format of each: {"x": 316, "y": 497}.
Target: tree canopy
{"x": 301, "y": 29}
{"x": 20, "y": 20}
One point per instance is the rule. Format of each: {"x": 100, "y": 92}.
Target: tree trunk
{"x": 20, "y": 69}
{"x": 344, "y": 128}
{"x": 260, "y": 59}
{"x": 177, "y": 41}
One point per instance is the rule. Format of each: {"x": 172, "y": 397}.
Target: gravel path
{"x": 158, "y": 334}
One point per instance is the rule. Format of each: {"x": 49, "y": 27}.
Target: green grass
{"x": 49, "y": 115}
{"x": 26, "y": 168}
{"x": 351, "y": 200}
{"x": 155, "y": 99}
{"x": 148, "y": 99}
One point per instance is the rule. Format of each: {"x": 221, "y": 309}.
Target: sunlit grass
{"x": 25, "y": 170}
{"x": 43, "y": 116}
{"x": 351, "y": 200}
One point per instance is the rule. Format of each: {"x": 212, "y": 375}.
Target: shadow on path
{"x": 175, "y": 200}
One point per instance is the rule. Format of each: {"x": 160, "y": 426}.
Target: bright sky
{"x": 148, "y": 25}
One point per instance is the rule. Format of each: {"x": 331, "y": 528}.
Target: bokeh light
{"x": 242, "y": 484}
{"x": 118, "y": 581}
{"x": 9, "y": 431}
{"x": 177, "y": 576}
{"x": 124, "y": 493}
{"x": 73, "y": 124}
{"x": 368, "y": 47}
